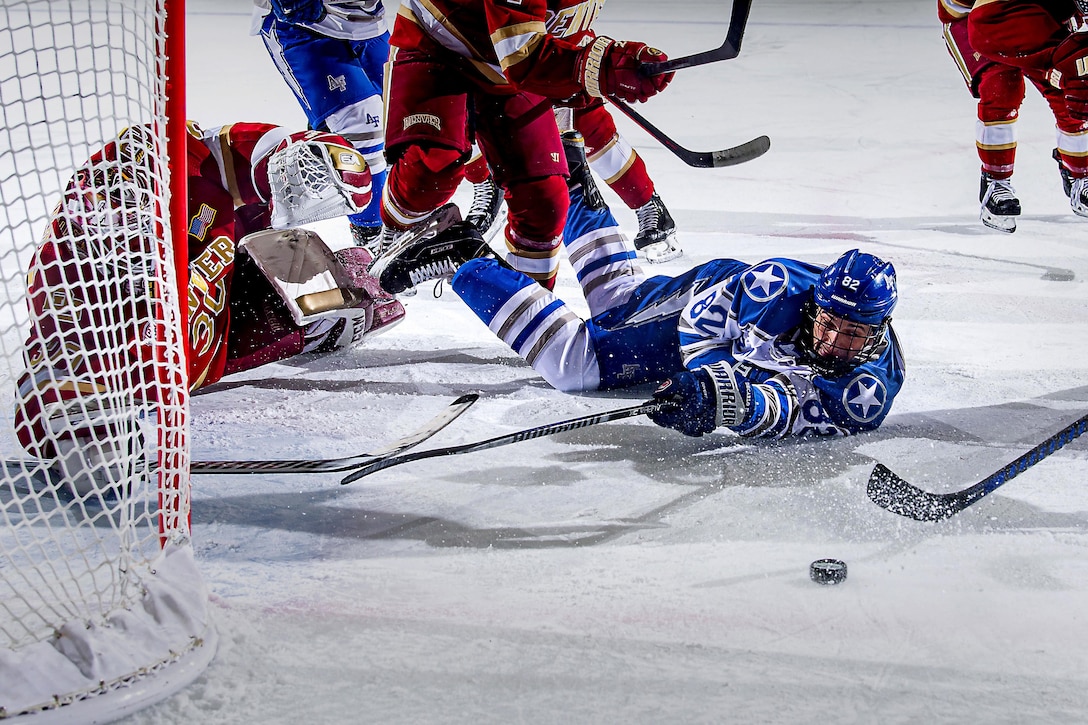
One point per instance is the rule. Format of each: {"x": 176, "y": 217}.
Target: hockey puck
{"x": 827, "y": 571}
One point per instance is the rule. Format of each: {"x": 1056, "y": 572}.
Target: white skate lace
{"x": 432, "y": 270}
{"x": 648, "y": 216}
{"x": 999, "y": 190}
{"x": 483, "y": 195}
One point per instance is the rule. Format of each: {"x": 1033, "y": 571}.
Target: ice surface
{"x": 624, "y": 573}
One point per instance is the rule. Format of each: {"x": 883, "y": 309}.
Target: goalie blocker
{"x": 275, "y": 295}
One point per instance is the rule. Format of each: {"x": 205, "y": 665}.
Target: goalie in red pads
{"x": 256, "y": 295}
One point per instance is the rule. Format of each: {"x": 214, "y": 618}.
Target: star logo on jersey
{"x": 765, "y": 281}
{"x": 864, "y": 398}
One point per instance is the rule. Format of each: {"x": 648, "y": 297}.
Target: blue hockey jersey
{"x": 753, "y": 319}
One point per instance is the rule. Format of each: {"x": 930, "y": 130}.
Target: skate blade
{"x": 498, "y": 224}
{"x": 663, "y": 251}
{"x": 1005, "y": 224}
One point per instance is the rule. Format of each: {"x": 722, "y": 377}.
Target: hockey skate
{"x": 656, "y": 237}
{"x": 1067, "y": 178}
{"x": 1075, "y": 189}
{"x": 1078, "y": 197}
{"x": 1000, "y": 207}
{"x": 432, "y": 250}
{"x": 488, "y": 210}
{"x": 369, "y": 238}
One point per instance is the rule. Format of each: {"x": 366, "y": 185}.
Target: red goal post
{"x": 102, "y": 608}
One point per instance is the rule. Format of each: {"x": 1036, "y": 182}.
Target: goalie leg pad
{"x": 305, "y": 273}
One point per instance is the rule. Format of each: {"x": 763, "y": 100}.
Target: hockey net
{"x": 102, "y": 609}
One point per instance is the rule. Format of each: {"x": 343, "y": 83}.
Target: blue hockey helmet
{"x": 849, "y": 312}
{"x": 858, "y": 287}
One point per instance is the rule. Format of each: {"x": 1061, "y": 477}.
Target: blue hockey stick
{"x": 891, "y": 492}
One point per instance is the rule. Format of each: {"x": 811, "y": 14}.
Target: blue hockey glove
{"x": 704, "y": 398}
{"x": 298, "y": 11}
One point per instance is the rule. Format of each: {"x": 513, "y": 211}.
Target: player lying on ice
{"x": 777, "y": 348}
{"x": 252, "y": 299}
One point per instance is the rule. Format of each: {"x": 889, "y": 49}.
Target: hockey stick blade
{"x": 440, "y": 421}
{"x": 891, "y": 492}
{"x": 699, "y": 159}
{"x": 523, "y": 435}
{"x": 729, "y": 49}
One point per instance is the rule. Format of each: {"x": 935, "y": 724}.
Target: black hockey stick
{"x": 523, "y": 435}
{"x": 729, "y": 49}
{"x": 891, "y": 492}
{"x": 440, "y": 421}
{"x": 700, "y": 159}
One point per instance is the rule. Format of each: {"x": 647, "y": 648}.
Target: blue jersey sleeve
{"x": 751, "y": 321}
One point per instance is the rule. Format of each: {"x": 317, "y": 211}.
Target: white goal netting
{"x": 102, "y": 610}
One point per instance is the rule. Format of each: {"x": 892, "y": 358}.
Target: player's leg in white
{"x": 604, "y": 260}
{"x": 534, "y": 322}
{"x": 338, "y": 84}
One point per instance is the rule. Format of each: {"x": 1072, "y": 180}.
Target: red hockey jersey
{"x": 511, "y": 45}
{"x": 86, "y": 327}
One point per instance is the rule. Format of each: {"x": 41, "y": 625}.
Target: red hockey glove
{"x": 613, "y": 68}
{"x": 1071, "y": 74}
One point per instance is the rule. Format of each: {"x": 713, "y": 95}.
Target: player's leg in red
{"x": 520, "y": 140}
{"x": 999, "y": 89}
{"x": 1000, "y": 94}
{"x": 1071, "y": 150}
{"x": 426, "y": 140}
{"x": 614, "y": 159}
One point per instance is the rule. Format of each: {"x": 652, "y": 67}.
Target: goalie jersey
{"x": 89, "y": 323}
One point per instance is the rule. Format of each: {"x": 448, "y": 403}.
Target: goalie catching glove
{"x": 706, "y": 398}
{"x": 313, "y": 176}
{"x": 613, "y": 68}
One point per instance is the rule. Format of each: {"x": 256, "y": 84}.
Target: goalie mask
{"x": 109, "y": 213}
{"x": 850, "y": 309}
{"x": 314, "y": 176}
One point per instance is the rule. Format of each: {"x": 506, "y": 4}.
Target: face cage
{"x": 109, "y": 206}
{"x": 829, "y": 366}
{"x": 116, "y": 221}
